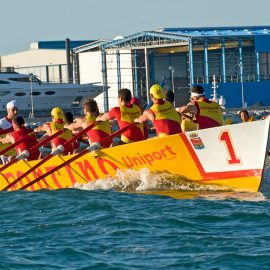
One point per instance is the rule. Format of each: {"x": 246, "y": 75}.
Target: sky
{"x": 26, "y": 21}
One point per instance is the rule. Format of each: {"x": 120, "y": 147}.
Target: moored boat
{"x": 232, "y": 156}
{"x": 32, "y": 94}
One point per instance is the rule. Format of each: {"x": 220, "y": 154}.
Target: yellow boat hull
{"x": 229, "y": 156}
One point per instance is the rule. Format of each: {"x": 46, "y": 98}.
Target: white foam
{"x": 143, "y": 180}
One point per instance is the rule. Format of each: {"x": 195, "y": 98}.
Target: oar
{"x": 91, "y": 148}
{"x": 15, "y": 144}
{"x": 58, "y": 150}
{"x": 25, "y": 153}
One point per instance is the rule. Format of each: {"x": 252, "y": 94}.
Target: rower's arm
{"x": 7, "y": 139}
{"x": 77, "y": 124}
{"x": 147, "y": 115}
{"x": 103, "y": 117}
{"x": 41, "y": 128}
{"x": 187, "y": 109}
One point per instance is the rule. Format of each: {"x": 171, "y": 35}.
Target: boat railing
{"x": 53, "y": 73}
{"x": 7, "y": 69}
{"x": 234, "y": 78}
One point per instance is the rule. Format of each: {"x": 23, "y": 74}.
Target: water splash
{"x": 143, "y": 180}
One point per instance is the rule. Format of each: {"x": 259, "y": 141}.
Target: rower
{"x": 125, "y": 114}
{"x": 188, "y": 122}
{"x": 169, "y": 96}
{"x": 162, "y": 114}
{"x": 207, "y": 113}
{"x": 68, "y": 119}
{"x": 135, "y": 100}
{"x": 6, "y": 127}
{"x": 6, "y": 122}
{"x": 97, "y": 133}
{"x": 20, "y": 131}
{"x": 55, "y": 125}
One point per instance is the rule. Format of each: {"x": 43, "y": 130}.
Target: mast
{"x": 214, "y": 87}
{"x": 31, "y": 115}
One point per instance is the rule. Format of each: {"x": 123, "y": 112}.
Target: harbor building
{"x": 178, "y": 58}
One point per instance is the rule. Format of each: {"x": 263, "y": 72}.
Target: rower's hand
{"x": 182, "y": 109}
{"x": 137, "y": 120}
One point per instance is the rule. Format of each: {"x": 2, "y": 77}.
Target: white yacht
{"x": 32, "y": 94}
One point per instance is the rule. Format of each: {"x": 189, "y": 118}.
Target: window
{"x": 36, "y": 93}
{"x": 4, "y": 93}
{"x": 49, "y": 93}
{"x": 20, "y": 94}
{"x": 3, "y": 82}
{"x": 22, "y": 79}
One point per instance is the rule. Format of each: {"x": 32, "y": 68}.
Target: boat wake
{"x": 145, "y": 182}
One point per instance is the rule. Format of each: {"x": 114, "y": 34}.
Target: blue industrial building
{"x": 181, "y": 57}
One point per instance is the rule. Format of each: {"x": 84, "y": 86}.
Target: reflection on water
{"x": 210, "y": 195}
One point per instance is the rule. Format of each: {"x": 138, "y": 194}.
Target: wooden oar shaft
{"x": 33, "y": 149}
{"x": 8, "y": 164}
{"x": 116, "y": 133}
{"x": 41, "y": 143}
{"x": 55, "y": 169}
{"x": 78, "y": 135}
{"x": 15, "y": 144}
{"x": 50, "y": 155}
{"x": 27, "y": 172}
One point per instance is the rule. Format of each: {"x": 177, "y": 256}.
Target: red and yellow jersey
{"x": 124, "y": 116}
{"x": 188, "y": 125}
{"x": 27, "y": 143}
{"x": 209, "y": 113}
{"x": 99, "y": 132}
{"x": 61, "y": 139}
{"x": 167, "y": 119}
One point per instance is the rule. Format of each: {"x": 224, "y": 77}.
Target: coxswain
{"x": 162, "y": 114}
{"x": 125, "y": 115}
{"x": 207, "y": 113}
{"x": 98, "y": 132}
{"x": 245, "y": 117}
{"x": 54, "y": 126}
{"x": 19, "y": 132}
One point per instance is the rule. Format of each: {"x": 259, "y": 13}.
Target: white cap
{"x": 197, "y": 95}
{"x": 12, "y": 104}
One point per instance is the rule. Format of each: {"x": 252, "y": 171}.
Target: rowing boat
{"x": 232, "y": 156}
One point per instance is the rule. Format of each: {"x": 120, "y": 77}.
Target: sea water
{"x": 137, "y": 220}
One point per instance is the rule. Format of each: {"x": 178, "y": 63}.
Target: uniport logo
{"x": 149, "y": 158}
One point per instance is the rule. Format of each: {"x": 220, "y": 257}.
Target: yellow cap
{"x": 57, "y": 113}
{"x": 157, "y": 91}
